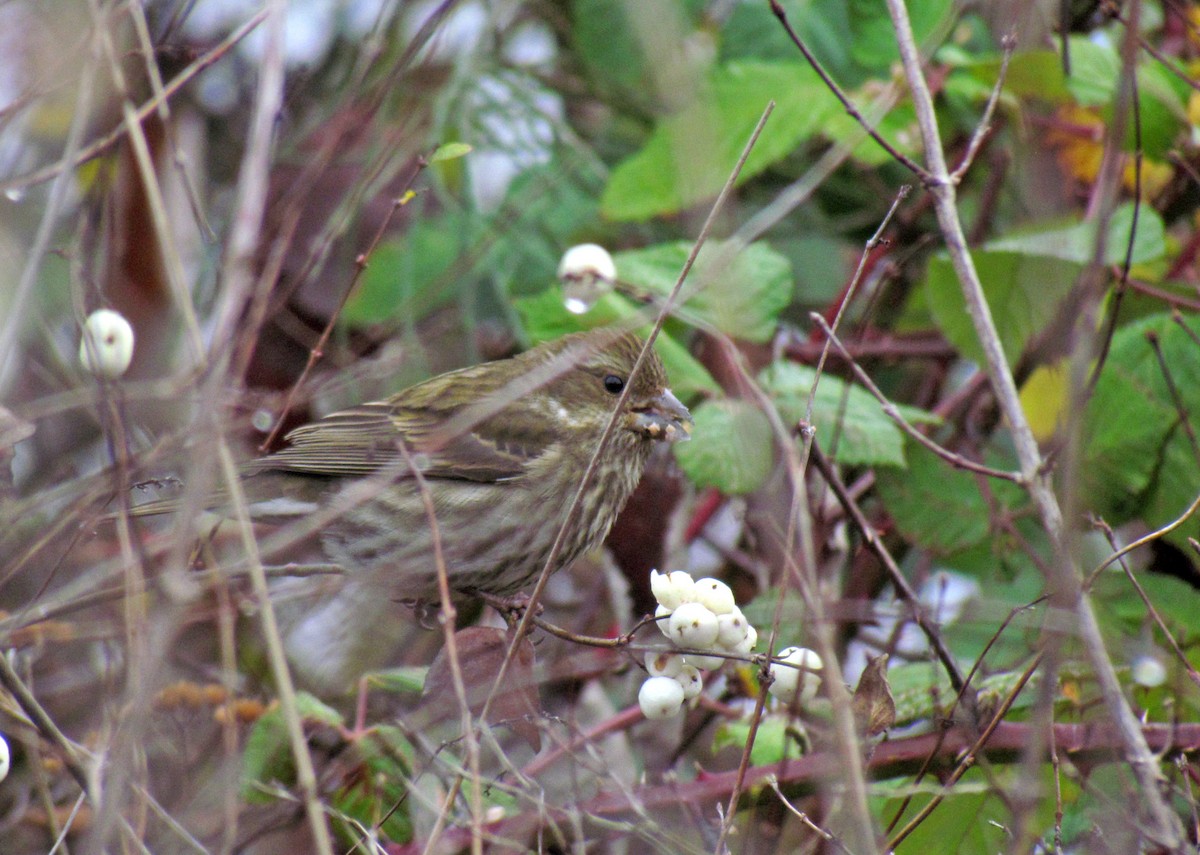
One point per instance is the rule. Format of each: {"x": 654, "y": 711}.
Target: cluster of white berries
{"x": 106, "y": 347}
{"x": 696, "y": 614}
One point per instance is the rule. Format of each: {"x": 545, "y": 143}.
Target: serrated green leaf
{"x": 851, "y": 425}
{"x": 449, "y": 151}
{"x": 940, "y": 507}
{"x": 1139, "y": 460}
{"x": 545, "y": 317}
{"x": 691, "y": 153}
{"x": 743, "y": 300}
{"x": 1076, "y": 240}
{"x": 1023, "y": 292}
{"x": 268, "y": 755}
{"x": 731, "y": 447}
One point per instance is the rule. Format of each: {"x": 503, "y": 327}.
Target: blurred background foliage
{"x": 615, "y": 122}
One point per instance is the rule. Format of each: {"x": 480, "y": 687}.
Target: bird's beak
{"x": 663, "y": 417}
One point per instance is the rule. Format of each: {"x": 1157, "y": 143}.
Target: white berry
{"x": 800, "y": 681}
{"x": 106, "y": 348}
{"x": 660, "y": 697}
{"x": 662, "y": 664}
{"x": 587, "y": 261}
{"x": 732, "y": 629}
{"x": 692, "y": 625}
{"x": 671, "y": 589}
{"x": 715, "y": 596}
{"x": 662, "y": 616}
{"x": 749, "y": 642}
{"x": 691, "y": 681}
{"x": 5, "y": 758}
{"x": 704, "y": 663}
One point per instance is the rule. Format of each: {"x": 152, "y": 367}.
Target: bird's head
{"x": 603, "y": 370}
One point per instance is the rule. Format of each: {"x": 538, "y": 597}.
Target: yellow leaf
{"x": 1044, "y": 399}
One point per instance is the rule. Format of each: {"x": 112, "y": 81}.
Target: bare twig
{"x": 1009, "y": 43}
{"x": 833, "y": 87}
{"x": 890, "y": 409}
{"x": 73, "y": 755}
{"x": 1164, "y": 826}
{"x": 903, "y": 588}
{"x": 594, "y": 464}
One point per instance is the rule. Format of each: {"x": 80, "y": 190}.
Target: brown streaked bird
{"x": 502, "y": 448}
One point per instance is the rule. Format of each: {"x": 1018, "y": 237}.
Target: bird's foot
{"x": 510, "y": 607}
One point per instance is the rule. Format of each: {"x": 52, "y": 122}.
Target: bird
{"x": 497, "y": 449}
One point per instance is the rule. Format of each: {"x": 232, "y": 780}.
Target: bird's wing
{"x": 366, "y": 439}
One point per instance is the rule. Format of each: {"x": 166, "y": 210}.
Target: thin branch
{"x": 306, "y": 777}
{"x": 833, "y": 87}
{"x": 1164, "y": 825}
{"x": 1009, "y": 43}
{"x": 72, "y": 754}
{"x": 589, "y": 474}
{"x": 903, "y": 588}
{"x": 360, "y": 266}
{"x": 954, "y": 459}
{"x": 77, "y": 156}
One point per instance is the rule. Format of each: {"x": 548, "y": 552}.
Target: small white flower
{"x": 671, "y": 589}
{"x": 691, "y": 681}
{"x": 692, "y": 625}
{"x": 106, "y": 347}
{"x": 715, "y": 596}
{"x": 660, "y": 697}
{"x": 663, "y": 664}
{"x": 800, "y": 681}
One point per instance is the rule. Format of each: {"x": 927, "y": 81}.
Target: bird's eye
{"x": 613, "y": 384}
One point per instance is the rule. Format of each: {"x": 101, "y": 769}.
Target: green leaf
{"x": 731, "y": 447}
{"x": 777, "y": 736}
{"x": 378, "y": 787}
{"x": 412, "y": 275}
{"x": 1022, "y": 291}
{"x": 851, "y": 425}
{"x": 449, "y": 151}
{"x": 1076, "y": 240}
{"x": 1138, "y": 458}
{"x": 268, "y": 755}
{"x": 874, "y": 37}
{"x": 408, "y": 680}
{"x": 691, "y": 153}
{"x": 616, "y": 39}
{"x": 545, "y": 317}
{"x": 743, "y": 299}
{"x": 1027, "y": 274}
{"x": 940, "y": 507}
{"x": 1033, "y": 74}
